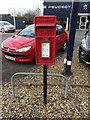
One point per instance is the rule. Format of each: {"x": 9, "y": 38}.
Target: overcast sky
{"x": 7, "y": 6}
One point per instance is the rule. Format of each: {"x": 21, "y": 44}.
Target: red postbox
{"x": 45, "y": 34}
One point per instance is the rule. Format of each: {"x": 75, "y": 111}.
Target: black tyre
{"x": 80, "y": 60}
{"x": 13, "y": 30}
{"x": 2, "y": 30}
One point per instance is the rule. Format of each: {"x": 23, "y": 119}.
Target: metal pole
{"x": 12, "y": 83}
{"x": 73, "y": 24}
{"x": 38, "y": 74}
{"x": 45, "y": 83}
{"x": 89, "y": 13}
{"x": 67, "y": 23}
{"x": 14, "y": 19}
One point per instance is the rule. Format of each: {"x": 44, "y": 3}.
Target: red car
{"x": 21, "y": 47}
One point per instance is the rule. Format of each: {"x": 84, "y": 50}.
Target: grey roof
{"x": 66, "y": 0}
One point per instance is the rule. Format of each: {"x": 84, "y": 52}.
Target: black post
{"x": 45, "y": 83}
{"x": 89, "y": 13}
{"x": 73, "y": 25}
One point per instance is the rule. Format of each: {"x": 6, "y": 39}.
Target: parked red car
{"x": 21, "y": 47}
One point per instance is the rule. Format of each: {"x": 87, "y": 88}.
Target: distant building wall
{"x": 62, "y": 9}
{"x": 20, "y": 21}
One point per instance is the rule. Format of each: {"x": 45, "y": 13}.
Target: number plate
{"x": 10, "y": 58}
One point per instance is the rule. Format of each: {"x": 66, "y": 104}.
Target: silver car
{"x": 6, "y": 26}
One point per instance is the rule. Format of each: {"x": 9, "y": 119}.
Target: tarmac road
{"x": 11, "y": 67}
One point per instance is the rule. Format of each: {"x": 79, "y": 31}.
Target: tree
{"x": 28, "y": 15}
{"x": 13, "y": 12}
{"x": 37, "y": 11}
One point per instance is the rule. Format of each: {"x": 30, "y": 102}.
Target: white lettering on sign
{"x": 45, "y": 50}
{"x": 58, "y": 7}
{"x": 85, "y": 6}
{"x": 62, "y": 7}
{"x": 44, "y": 7}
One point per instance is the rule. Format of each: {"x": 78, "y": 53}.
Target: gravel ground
{"x": 28, "y": 102}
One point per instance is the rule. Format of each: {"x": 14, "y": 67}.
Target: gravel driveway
{"x": 28, "y": 102}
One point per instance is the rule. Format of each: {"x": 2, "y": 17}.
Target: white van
{"x": 6, "y": 26}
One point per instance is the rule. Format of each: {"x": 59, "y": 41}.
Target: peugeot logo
{"x": 8, "y": 49}
{"x": 85, "y": 6}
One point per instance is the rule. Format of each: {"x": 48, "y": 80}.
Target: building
{"x": 5, "y": 15}
{"x": 19, "y": 22}
{"x": 62, "y": 9}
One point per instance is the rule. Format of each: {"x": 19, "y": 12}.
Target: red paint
{"x": 18, "y": 42}
{"x": 45, "y": 32}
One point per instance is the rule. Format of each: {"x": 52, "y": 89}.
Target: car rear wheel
{"x": 2, "y": 30}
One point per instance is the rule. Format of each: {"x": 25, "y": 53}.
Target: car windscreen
{"x": 7, "y": 23}
{"x": 89, "y": 33}
{"x": 28, "y": 32}
{"x": 88, "y": 40}
{"x": 59, "y": 30}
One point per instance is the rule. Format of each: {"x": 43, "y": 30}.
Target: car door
{"x": 59, "y": 37}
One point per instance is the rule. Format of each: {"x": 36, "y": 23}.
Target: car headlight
{"x": 23, "y": 49}
{"x": 84, "y": 43}
{"x": 2, "y": 44}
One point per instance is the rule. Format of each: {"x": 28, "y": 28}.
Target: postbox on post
{"x": 45, "y": 33}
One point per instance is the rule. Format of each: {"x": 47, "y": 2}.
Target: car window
{"x": 89, "y": 32}
{"x": 1, "y": 24}
{"x": 28, "y": 32}
{"x": 87, "y": 38}
{"x": 89, "y": 42}
{"x": 7, "y": 23}
{"x": 57, "y": 33}
{"x": 59, "y": 30}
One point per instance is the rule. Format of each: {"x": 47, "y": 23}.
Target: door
{"x": 83, "y": 22}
